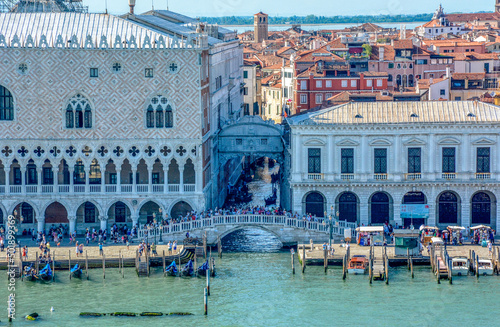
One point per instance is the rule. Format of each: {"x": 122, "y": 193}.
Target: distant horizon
{"x": 287, "y": 8}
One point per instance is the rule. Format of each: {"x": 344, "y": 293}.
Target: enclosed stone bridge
{"x": 289, "y": 231}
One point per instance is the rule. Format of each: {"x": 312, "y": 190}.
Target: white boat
{"x": 485, "y": 267}
{"x": 459, "y": 266}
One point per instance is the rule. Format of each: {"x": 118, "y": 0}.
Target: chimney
{"x": 381, "y": 51}
{"x": 447, "y": 72}
{"x": 131, "y": 4}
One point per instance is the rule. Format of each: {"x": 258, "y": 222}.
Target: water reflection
{"x": 251, "y": 240}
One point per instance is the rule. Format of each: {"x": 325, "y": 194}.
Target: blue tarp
{"x": 172, "y": 267}
{"x": 46, "y": 271}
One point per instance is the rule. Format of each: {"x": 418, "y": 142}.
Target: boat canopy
{"x": 370, "y": 229}
{"x": 456, "y": 227}
{"x": 437, "y": 240}
{"x": 480, "y": 227}
{"x": 428, "y": 227}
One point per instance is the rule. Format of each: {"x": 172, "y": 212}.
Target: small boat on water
{"x": 188, "y": 269}
{"x": 459, "y": 266}
{"x": 30, "y": 273}
{"x": 46, "y": 273}
{"x": 357, "y": 265}
{"x": 485, "y": 267}
{"x": 76, "y": 271}
{"x": 172, "y": 269}
{"x": 202, "y": 270}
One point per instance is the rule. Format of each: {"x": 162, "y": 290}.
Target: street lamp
{"x": 161, "y": 226}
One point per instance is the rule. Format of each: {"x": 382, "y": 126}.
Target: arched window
{"x": 348, "y": 207}
{"x": 6, "y": 104}
{"x": 159, "y": 113}
{"x": 315, "y": 204}
{"x": 481, "y": 209}
{"x": 379, "y": 208}
{"x": 448, "y": 208}
{"x": 78, "y": 113}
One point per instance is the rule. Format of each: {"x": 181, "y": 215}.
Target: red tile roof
{"x": 470, "y": 76}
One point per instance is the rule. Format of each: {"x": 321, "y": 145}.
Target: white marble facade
{"x": 454, "y": 196}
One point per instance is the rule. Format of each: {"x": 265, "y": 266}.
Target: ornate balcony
{"x": 413, "y": 176}
{"x": 380, "y": 177}
{"x": 483, "y": 175}
{"x": 449, "y": 175}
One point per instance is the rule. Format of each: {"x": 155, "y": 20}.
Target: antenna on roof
{"x": 167, "y": 5}
{"x": 152, "y": 5}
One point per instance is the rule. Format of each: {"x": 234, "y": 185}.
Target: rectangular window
{"x": 380, "y": 161}
{"x": 245, "y": 91}
{"x": 17, "y": 176}
{"x": 314, "y": 161}
{"x": 442, "y": 92}
{"x": 328, "y": 83}
{"x": 156, "y": 178}
{"x": 31, "y": 175}
{"x": 246, "y": 110}
{"x": 391, "y": 65}
{"x": 319, "y": 84}
{"x": 277, "y": 110}
{"x": 245, "y": 74}
{"x": 303, "y": 85}
{"x": 483, "y": 160}
{"x": 458, "y": 98}
{"x": 347, "y": 161}
{"x": 448, "y": 160}
{"x": 263, "y": 141}
{"x": 328, "y": 95}
{"x": 112, "y": 178}
{"x": 353, "y": 83}
{"x": 344, "y": 83}
{"x": 369, "y": 83}
{"x": 414, "y": 161}
{"x": 48, "y": 176}
{"x": 94, "y": 72}
{"x": 239, "y": 141}
{"x": 319, "y": 98}
{"x": 303, "y": 99}
{"x": 148, "y": 72}
{"x": 379, "y": 83}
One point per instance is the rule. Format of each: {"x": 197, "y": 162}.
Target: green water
{"x": 258, "y": 289}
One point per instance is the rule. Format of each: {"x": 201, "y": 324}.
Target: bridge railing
{"x": 338, "y": 227}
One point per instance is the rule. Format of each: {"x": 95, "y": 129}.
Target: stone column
{"x": 150, "y": 178}
{"x": 134, "y": 179}
{"x": 41, "y": 223}
{"x": 398, "y": 158}
{"x": 7, "y": 179}
{"x": 87, "y": 179}
{"x": 165, "y": 178}
{"x": 23, "y": 179}
{"x": 72, "y": 223}
{"x": 55, "y": 174}
{"x": 431, "y": 170}
{"x": 330, "y": 157}
{"x": 39, "y": 179}
{"x": 363, "y": 211}
{"x": 104, "y": 222}
{"x": 103, "y": 180}
{"x": 181, "y": 176}
{"x": 432, "y": 212}
{"x": 396, "y": 208}
{"x": 118, "y": 179}
{"x": 135, "y": 220}
{"x": 497, "y": 215}
{"x": 363, "y": 163}
{"x": 71, "y": 170}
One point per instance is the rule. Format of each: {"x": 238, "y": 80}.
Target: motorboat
{"x": 459, "y": 266}
{"x": 357, "y": 265}
{"x": 485, "y": 267}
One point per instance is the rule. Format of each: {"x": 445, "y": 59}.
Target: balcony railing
{"x": 142, "y": 188}
{"x": 111, "y": 188}
{"x": 449, "y": 175}
{"x": 346, "y": 177}
{"x": 413, "y": 176}
{"x": 47, "y": 188}
{"x": 173, "y": 188}
{"x": 158, "y": 188}
{"x": 79, "y": 188}
{"x": 315, "y": 176}
{"x": 483, "y": 175}
{"x": 380, "y": 177}
{"x": 31, "y": 188}
{"x": 64, "y": 188}
{"x": 189, "y": 188}
{"x": 95, "y": 188}
{"x": 15, "y": 189}
{"x": 127, "y": 188}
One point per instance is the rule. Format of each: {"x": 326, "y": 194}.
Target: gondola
{"x": 172, "y": 269}
{"x": 76, "y": 271}
{"x": 30, "y": 274}
{"x": 46, "y": 273}
{"x": 202, "y": 270}
{"x": 188, "y": 269}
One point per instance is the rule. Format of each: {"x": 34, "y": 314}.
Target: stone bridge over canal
{"x": 289, "y": 231}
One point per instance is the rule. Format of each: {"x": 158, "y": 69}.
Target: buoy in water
{"x": 51, "y": 309}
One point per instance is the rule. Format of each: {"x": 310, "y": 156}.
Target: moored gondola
{"x": 76, "y": 271}
{"x": 30, "y": 274}
{"x": 202, "y": 270}
{"x": 188, "y": 269}
{"x": 172, "y": 270}
{"x": 46, "y": 273}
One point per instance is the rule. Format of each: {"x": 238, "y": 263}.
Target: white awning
{"x": 369, "y": 229}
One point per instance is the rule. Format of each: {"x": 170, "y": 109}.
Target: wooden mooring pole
{"x": 54, "y": 266}
{"x": 86, "y": 264}
{"x": 303, "y": 257}
{"x": 293, "y": 264}
{"x": 36, "y": 263}
{"x": 103, "y": 267}
{"x": 386, "y": 268}
{"x": 219, "y": 246}
{"x": 450, "y": 275}
{"x": 205, "y": 298}
{"x": 411, "y": 267}
{"x": 325, "y": 259}
{"x": 164, "y": 265}
{"x": 123, "y": 270}
{"x": 69, "y": 263}
{"x": 208, "y": 280}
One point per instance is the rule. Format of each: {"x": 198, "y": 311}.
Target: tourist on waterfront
{"x": 175, "y": 247}
{"x": 169, "y": 248}
{"x": 80, "y": 249}
{"x": 490, "y": 248}
{"x": 100, "y": 249}
{"x": 2, "y": 244}
{"x": 24, "y": 253}
{"x": 76, "y": 249}
{"x": 153, "y": 249}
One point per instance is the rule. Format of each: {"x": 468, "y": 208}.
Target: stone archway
{"x": 56, "y": 214}
{"x": 180, "y": 209}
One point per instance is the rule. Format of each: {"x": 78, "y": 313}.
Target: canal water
{"x": 255, "y": 287}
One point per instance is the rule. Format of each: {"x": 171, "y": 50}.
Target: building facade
{"x": 363, "y": 161}
{"x": 102, "y": 126}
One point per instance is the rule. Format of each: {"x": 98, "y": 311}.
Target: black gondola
{"x": 172, "y": 269}
{"x": 76, "y": 271}
{"x": 46, "y": 273}
{"x": 30, "y": 274}
{"x": 188, "y": 269}
{"x": 202, "y": 270}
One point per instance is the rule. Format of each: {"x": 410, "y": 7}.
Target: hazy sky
{"x": 293, "y": 7}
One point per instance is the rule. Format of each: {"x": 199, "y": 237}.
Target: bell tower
{"x": 497, "y": 6}
{"x": 260, "y": 23}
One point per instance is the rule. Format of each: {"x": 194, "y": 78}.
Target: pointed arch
{"x": 6, "y": 104}
{"x": 78, "y": 112}
{"x": 159, "y": 112}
